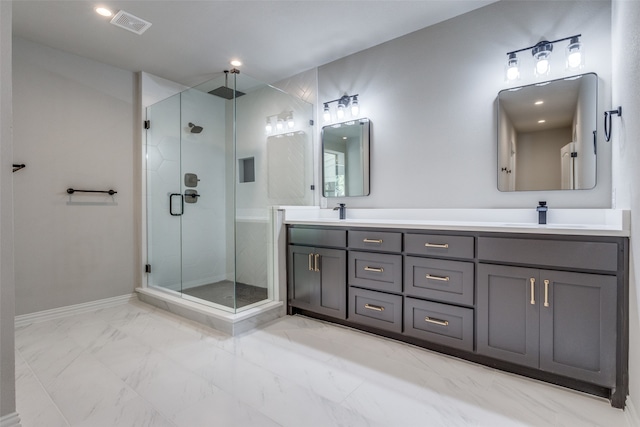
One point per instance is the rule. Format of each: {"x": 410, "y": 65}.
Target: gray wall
{"x": 73, "y": 127}
{"x": 626, "y": 158}
{"x": 7, "y": 355}
{"x": 431, "y": 97}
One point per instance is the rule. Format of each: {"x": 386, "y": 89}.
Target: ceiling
{"x": 189, "y": 41}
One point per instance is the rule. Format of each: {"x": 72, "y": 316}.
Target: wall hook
{"x": 607, "y": 122}
{"x": 17, "y": 167}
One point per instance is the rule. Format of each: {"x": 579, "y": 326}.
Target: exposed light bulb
{"x": 541, "y": 53}
{"x": 268, "y": 128}
{"x": 513, "y": 72}
{"x": 340, "y": 112}
{"x": 574, "y": 53}
{"x": 355, "y": 106}
{"x": 280, "y": 125}
{"x": 290, "y": 122}
{"x": 542, "y": 67}
{"x": 326, "y": 115}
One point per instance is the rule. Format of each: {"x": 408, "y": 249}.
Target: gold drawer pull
{"x": 374, "y": 307}
{"x": 440, "y": 278}
{"x": 374, "y": 269}
{"x": 311, "y": 262}
{"x": 436, "y": 321}
{"x": 533, "y": 290}
{"x": 546, "y": 293}
{"x": 372, "y": 240}
{"x": 437, "y": 245}
{"x": 315, "y": 262}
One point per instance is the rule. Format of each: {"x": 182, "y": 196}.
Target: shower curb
{"x": 229, "y": 323}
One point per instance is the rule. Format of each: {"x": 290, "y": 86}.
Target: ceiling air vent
{"x": 130, "y": 22}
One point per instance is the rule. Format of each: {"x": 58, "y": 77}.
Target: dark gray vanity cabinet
{"x": 563, "y": 322}
{"x": 317, "y": 278}
{"x": 551, "y": 307}
{"x": 375, "y": 279}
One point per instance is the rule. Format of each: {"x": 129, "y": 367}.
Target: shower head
{"x": 194, "y": 129}
{"x": 225, "y": 91}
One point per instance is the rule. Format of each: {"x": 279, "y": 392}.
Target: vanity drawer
{"x": 318, "y": 237}
{"x": 439, "y": 245}
{"x": 375, "y": 309}
{"x": 438, "y": 279}
{"x": 375, "y": 240}
{"x": 382, "y": 272}
{"x": 552, "y": 253}
{"x": 439, "y": 323}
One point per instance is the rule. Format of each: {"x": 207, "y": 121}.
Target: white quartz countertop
{"x": 590, "y": 222}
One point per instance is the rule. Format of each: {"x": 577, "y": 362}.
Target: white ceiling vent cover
{"x": 130, "y": 22}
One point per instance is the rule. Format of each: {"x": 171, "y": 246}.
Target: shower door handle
{"x": 171, "y": 204}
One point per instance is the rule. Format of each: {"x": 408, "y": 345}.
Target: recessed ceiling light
{"x": 236, "y": 63}
{"x": 539, "y": 102}
{"x": 541, "y": 121}
{"x": 103, "y": 11}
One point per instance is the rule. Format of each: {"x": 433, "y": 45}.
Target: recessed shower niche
{"x": 208, "y": 233}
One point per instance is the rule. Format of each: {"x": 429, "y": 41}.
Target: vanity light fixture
{"x": 541, "y": 52}
{"x": 281, "y": 123}
{"x": 342, "y": 110}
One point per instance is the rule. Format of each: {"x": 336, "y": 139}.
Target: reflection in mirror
{"x": 345, "y": 153}
{"x": 546, "y": 135}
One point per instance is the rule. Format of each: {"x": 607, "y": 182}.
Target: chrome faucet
{"x": 542, "y": 212}
{"x": 343, "y": 210}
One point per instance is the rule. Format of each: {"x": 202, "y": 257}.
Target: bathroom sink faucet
{"x": 343, "y": 210}
{"x": 542, "y": 212}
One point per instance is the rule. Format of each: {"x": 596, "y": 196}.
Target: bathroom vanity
{"x": 549, "y": 302}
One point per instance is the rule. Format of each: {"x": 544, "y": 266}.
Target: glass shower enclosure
{"x": 218, "y": 156}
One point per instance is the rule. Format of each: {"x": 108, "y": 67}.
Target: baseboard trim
{"x": 70, "y": 310}
{"x": 633, "y": 418}
{"x": 10, "y": 420}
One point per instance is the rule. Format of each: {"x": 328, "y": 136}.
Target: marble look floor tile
{"x": 135, "y": 365}
{"x": 134, "y": 413}
{"x": 34, "y": 404}
{"x": 168, "y": 386}
{"x": 221, "y": 409}
{"x": 85, "y": 387}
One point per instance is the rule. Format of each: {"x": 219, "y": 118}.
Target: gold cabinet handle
{"x": 440, "y": 278}
{"x": 374, "y": 269}
{"x": 437, "y": 245}
{"x": 315, "y": 262}
{"x": 533, "y": 290}
{"x": 546, "y": 293}
{"x": 372, "y": 240}
{"x": 310, "y": 262}
{"x": 436, "y": 321}
{"x": 374, "y": 307}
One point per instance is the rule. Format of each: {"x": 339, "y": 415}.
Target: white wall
{"x": 73, "y": 127}
{"x": 7, "y": 332}
{"x": 626, "y": 158}
{"x": 542, "y": 151}
{"x": 431, "y": 97}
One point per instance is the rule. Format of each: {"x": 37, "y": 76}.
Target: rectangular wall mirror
{"x": 345, "y": 156}
{"x": 547, "y": 135}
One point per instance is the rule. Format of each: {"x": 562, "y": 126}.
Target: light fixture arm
{"x": 344, "y": 100}
{"x": 543, "y": 42}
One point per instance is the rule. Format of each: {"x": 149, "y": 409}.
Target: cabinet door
{"x": 317, "y": 280}
{"x": 303, "y": 280}
{"x": 332, "y": 290}
{"x": 508, "y": 313}
{"x": 578, "y": 326}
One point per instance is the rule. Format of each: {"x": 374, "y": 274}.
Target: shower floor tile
{"x": 137, "y": 366}
{"x": 222, "y": 293}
